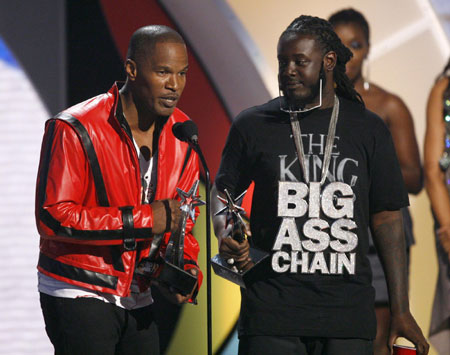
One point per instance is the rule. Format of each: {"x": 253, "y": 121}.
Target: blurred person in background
{"x": 353, "y": 30}
{"x": 437, "y": 183}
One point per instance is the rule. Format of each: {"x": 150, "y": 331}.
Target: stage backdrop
{"x": 74, "y": 50}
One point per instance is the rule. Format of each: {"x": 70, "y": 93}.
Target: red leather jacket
{"x": 93, "y": 225}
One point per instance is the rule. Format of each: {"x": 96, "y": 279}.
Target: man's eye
{"x": 301, "y": 62}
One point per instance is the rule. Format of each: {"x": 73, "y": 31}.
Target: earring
{"x": 366, "y": 83}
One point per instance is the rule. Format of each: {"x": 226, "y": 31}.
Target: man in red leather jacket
{"x": 107, "y": 181}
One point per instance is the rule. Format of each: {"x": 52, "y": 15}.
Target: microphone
{"x": 186, "y": 131}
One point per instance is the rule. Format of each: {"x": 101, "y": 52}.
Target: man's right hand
{"x": 160, "y": 216}
{"x": 235, "y": 253}
{"x": 404, "y": 325}
{"x": 229, "y": 248}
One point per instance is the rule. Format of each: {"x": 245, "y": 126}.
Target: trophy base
{"x": 182, "y": 281}
{"x": 223, "y": 269}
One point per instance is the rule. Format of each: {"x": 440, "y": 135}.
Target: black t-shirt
{"x": 318, "y": 279}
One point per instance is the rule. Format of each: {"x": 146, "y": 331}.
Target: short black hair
{"x": 144, "y": 39}
{"x": 328, "y": 40}
{"x": 351, "y": 16}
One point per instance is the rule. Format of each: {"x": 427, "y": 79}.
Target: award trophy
{"x": 172, "y": 272}
{"x": 227, "y": 268}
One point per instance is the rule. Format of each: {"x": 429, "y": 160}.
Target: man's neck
{"x": 328, "y": 97}
{"x": 142, "y": 127}
{"x": 327, "y": 100}
{"x": 137, "y": 120}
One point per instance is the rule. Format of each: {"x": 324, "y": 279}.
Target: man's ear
{"x": 131, "y": 69}
{"x": 329, "y": 61}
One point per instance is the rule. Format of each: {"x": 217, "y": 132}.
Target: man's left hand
{"x": 404, "y": 325}
{"x": 172, "y": 295}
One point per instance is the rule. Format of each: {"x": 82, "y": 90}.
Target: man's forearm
{"x": 387, "y": 229}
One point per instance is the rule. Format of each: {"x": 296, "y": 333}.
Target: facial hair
{"x": 315, "y": 92}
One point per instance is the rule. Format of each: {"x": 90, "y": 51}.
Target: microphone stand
{"x": 194, "y": 144}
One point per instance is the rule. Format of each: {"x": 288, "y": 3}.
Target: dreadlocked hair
{"x": 328, "y": 41}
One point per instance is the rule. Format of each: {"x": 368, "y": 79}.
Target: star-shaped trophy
{"x": 228, "y": 269}
{"x": 175, "y": 247}
{"x": 190, "y": 199}
{"x": 171, "y": 272}
{"x": 234, "y": 213}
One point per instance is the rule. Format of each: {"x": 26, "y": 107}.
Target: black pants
{"x": 90, "y": 326}
{"x": 272, "y": 345}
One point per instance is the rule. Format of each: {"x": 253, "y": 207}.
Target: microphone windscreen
{"x": 177, "y": 130}
{"x": 186, "y": 131}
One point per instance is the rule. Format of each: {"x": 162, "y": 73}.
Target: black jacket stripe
{"x": 77, "y": 274}
{"x": 116, "y": 256}
{"x": 55, "y": 225}
{"x": 45, "y": 163}
{"x": 92, "y": 157}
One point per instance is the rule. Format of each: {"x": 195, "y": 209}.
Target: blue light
{"x": 447, "y": 142}
{"x": 6, "y": 55}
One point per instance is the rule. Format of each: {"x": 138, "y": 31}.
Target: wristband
{"x": 168, "y": 215}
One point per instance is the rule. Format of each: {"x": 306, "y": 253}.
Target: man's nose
{"x": 173, "y": 82}
{"x": 290, "y": 69}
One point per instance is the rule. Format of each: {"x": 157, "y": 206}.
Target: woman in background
{"x": 437, "y": 183}
{"x": 353, "y": 30}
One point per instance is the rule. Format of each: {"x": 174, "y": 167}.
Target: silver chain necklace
{"x": 297, "y": 133}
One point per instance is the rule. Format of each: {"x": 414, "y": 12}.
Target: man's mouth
{"x": 291, "y": 85}
{"x": 169, "y": 101}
